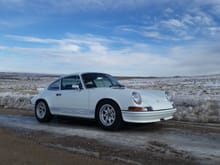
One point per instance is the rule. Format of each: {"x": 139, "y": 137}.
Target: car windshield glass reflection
{"x": 97, "y": 80}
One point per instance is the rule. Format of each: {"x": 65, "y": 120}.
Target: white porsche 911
{"x": 99, "y": 96}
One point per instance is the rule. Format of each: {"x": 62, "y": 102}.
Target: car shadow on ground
{"x": 139, "y": 127}
{"x": 75, "y": 121}
{"x": 92, "y": 124}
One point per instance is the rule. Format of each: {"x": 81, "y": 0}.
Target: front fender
{"x": 121, "y": 96}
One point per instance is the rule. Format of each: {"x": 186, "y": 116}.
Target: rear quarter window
{"x": 54, "y": 86}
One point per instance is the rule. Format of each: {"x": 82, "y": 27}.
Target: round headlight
{"x": 136, "y": 97}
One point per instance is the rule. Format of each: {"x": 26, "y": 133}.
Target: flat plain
{"x": 191, "y": 138}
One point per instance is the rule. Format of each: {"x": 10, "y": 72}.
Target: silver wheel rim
{"x": 107, "y": 115}
{"x": 41, "y": 110}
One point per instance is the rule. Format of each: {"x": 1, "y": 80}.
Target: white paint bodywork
{"x": 83, "y": 102}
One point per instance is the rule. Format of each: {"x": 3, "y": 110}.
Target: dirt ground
{"x": 21, "y": 146}
{"x": 23, "y": 150}
{"x": 29, "y": 148}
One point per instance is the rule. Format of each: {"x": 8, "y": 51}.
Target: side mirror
{"x": 75, "y": 87}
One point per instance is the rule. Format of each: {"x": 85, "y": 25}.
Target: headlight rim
{"x": 136, "y": 97}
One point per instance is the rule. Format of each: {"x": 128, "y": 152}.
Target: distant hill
{"x": 17, "y": 75}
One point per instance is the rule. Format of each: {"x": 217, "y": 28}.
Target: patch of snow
{"x": 15, "y": 100}
{"x": 196, "y": 98}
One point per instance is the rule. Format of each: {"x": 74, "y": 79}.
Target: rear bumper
{"x": 148, "y": 116}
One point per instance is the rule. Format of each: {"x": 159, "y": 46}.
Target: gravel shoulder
{"x": 71, "y": 140}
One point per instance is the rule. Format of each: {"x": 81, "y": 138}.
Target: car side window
{"x": 54, "y": 86}
{"x": 67, "y": 83}
{"x": 88, "y": 81}
{"x": 102, "y": 82}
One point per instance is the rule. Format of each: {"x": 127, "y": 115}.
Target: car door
{"x": 72, "y": 98}
{"x": 51, "y": 95}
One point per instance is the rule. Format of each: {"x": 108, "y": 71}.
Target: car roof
{"x": 80, "y": 73}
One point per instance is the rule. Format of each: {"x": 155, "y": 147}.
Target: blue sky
{"x": 132, "y": 37}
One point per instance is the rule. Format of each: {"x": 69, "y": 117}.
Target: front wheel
{"x": 108, "y": 115}
{"x": 42, "y": 112}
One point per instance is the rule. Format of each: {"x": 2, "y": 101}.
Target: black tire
{"x": 112, "y": 120}
{"x": 42, "y": 112}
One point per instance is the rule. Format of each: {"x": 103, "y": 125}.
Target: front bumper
{"x": 147, "y": 116}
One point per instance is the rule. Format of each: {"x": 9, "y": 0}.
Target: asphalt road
{"x": 170, "y": 142}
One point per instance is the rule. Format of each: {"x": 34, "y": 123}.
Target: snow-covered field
{"x": 197, "y": 98}
{"x": 16, "y": 89}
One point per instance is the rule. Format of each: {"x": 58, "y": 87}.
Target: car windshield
{"x": 99, "y": 80}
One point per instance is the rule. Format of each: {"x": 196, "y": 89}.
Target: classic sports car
{"x": 99, "y": 96}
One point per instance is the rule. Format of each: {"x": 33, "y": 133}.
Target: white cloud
{"x": 153, "y": 34}
{"x": 181, "y": 26}
{"x": 169, "y": 10}
{"x": 214, "y": 4}
{"x": 214, "y": 30}
{"x": 3, "y": 47}
{"x": 200, "y": 17}
{"x": 173, "y": 23}
{"x": 70, "y": 47}
{"x": 198, "y": 58}
{"x": 31, "y": 39}
{"x": 97, "y": 48}
{"x": 194, "y": 20}
{"x": 95, "y": 53}
{"x": 197, "y": 20}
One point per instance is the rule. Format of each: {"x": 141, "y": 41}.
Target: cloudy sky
{"x": 123, "y": 37}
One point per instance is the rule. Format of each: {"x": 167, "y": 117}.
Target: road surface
{"x": 168, "y": 142}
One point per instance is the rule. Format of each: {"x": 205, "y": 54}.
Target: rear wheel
{"x": 42, "y": 112}
{"x": 108, "y": 115}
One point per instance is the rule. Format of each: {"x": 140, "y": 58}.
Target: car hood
{"x": 156, "y": 99}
